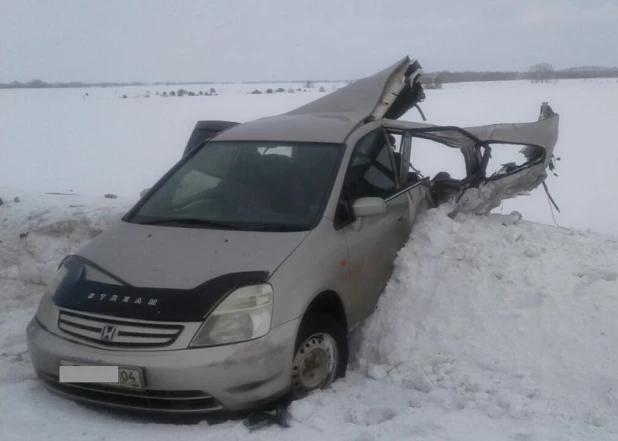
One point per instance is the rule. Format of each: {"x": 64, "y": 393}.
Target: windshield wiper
{"x": 190, "y": 222}
{"x": 216, "y": 224}
{"x": 277, "y": 228}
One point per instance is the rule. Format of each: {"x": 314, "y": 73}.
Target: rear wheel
{"x": 321, "y": 355}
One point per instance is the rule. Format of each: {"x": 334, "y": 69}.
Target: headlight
{"x": 244, "y": 315}
{"x": 43, "y": 312}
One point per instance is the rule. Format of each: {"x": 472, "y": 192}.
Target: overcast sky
{"x": 232, "y": 40}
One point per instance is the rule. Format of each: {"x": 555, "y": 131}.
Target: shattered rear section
{"x": 479, "y": 193}
{"x": 486, "y": 193}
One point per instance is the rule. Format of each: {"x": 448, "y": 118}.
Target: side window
{"x": 370, "y": 174}
{"x": 384, "y": 158}
{"x": 371, "y": 170}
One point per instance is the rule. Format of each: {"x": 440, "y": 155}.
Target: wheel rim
{"x": 314, "y": 363}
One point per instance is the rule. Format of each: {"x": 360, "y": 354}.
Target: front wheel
{"x": 321, "y": 355}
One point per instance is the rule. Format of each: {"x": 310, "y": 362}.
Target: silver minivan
{"x": 235, "y": 279}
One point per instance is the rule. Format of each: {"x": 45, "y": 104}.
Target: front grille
{"x": 184, "y": 401}
{"x": 118, "y": 333}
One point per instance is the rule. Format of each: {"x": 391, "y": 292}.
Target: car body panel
{"x": 373, "y": 243}
{"x": 183, "y": 258}
{"x": 237, "y": 375}
{"x": 317, "y": 265}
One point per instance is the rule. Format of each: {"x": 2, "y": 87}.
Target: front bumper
{"x": 231, "y": 377}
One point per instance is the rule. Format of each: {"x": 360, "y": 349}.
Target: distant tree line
{"x": 39, "y": 84}
{"x": 541, "y": 72}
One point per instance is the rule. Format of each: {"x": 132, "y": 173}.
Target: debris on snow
{"x": 260, "y": 419}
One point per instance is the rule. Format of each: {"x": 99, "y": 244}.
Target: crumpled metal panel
{"x": 481, "y": 194}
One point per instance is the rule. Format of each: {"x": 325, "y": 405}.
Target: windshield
{"x": 265, "y": 186}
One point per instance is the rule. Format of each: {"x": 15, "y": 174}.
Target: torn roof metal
{"x": 389, "y": 93}
{"x": 386, "y": 95}
{"x": 542, "y": 133}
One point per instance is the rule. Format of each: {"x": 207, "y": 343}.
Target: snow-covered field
{"x": 491, "y": 328}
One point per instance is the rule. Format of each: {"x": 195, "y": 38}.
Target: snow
{"x": 491, "y": 328}
{"x": 502, "y": 315}
{"x": 108, "y": 145}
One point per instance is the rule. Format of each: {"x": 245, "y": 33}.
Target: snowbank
{"x": 509, "y": 317}
{"x": 38, "y": 229}
{"x": 490, "y": 328}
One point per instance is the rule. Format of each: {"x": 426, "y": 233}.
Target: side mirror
{"x": 143, "y": 192}
{"x": 371, "y": 206}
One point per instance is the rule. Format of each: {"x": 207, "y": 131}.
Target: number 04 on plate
{"x": 72, "y": 372}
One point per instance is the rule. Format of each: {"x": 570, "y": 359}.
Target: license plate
{"x": 130, "y": 378}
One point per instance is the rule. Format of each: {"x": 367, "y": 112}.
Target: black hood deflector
{"x": 157, "y": 304}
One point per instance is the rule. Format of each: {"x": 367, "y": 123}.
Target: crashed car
{"x": 235, "y": 279}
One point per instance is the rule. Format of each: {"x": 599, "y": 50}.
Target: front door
{"x": 374, "y": 241}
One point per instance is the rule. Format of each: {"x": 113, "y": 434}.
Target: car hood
{"x": 183, "y": 258}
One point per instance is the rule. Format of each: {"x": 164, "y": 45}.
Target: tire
{"x": 320, "y": 355}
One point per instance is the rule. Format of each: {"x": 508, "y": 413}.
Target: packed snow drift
{"x": 500, "y": 315}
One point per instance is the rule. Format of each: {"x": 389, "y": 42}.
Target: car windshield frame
{"x": 136, "y": 215}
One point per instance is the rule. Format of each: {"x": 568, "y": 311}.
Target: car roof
{"x": 330, "y": 118}
{"x": 291, "y": 128}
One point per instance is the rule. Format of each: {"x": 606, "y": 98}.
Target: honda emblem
{"x": 108, "y": 333}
